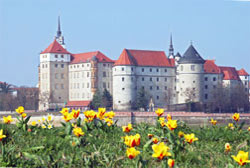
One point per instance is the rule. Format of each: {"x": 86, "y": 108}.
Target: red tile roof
{"x": 78, "y": 103}
{"x": 144, "y": 58}
{"x": 242, "y": 72}
{"x": 229, "y": 73}
{"x": 84, "y": 57}
{"x": 211, "y": 67}
{"x": 55, "y": 47}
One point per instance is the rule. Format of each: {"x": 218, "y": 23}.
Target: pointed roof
{"x": 229, "y": 73}
{"x": 242, "y": 72}
{"x": 144, "y": 58}
{"x": 55, "y": 47}
{"x": 211, "y": 68}
{"x": 178, "y": 54}
{"x": 191, "y": 56}
{"x": 86, "y": 57}
{"x": 59, "y": 33}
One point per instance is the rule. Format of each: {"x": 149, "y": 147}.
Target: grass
{"x": 102, "y": 146}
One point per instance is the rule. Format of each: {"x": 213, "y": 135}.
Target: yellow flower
{"x": 150, "y": 136}
{"x": 213, "y": 122}
{"x": 190, "y": 138}
{"x": 50, "y": 117}
{"x": 78, "y": 131}
{"x": 43, "y": 118}
{"x": 1, "y": 135}
{"x": 75, "y": 113}
{"x": 227, "y": 147}
{"x": 160, "y": 151}
{"x": 236, "y": 116}
{"x": 132, "y": 140}
{"x": 169, "y": 117}
{"x": 33, "y": 123}
{"x": 110, "y": 114}
{"x": 20, "y": 110}
{"x": 132, "y": 152}
{"x": 248, "y": 129}
{"x": 43, "y": 126}
{"x": 39, "y": 121}
{"x": 159, "y": 112}
{"x": 172, "y": 124}
{"x": 170, "y": 163}
{"x": 127, "y": 128}
{"x": 90, "y": 115}
{"x": 155, "y": 140}
{"x": 64, "y": 111}
{"x": 7, "y": 120}
{"x": 67, "y": 117}
{"x": 231, "y": 125}
{"x": 162, "y": 121}
{"x": 241, "y": 158}
{"x": 108, "y": 121}
{"x": 101, "y": 112}
{"x": 50, "y": 126}
{"x": 181, "y": 134}
{"x": 24, "y": 115}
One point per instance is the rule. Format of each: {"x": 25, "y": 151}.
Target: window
{"x": 193, "y": 81}
{"x": 214, "y": 78}
{"x": 150, "y": 79}
{"x": 87, "y": 74}
{"x": 166, "y": 70}
{"x": 82, "y": 95}
{"x": 42, "y": 65}
{"x": 206, "y": 78}
{"x": 56, "y": 86}
{"x": 78, "y": 75}
{"x": 157, "y": 97}
{"x": 123, "y": 88}
{"x": 142, "y": 69}
{"x": 87, "y": 85}
{"x": 46, "y": 66}
{"x": 157, "y": 70}
{"x": 104, "y": 74}
{"x": 56, "y": 65}
{"x": 193, "y": 88}
{"x": 83, "y": 74}
{"x": 62, "y": 65}
{"x": 122, "y": 69}
{"x": 246, "y": 82}
{"x": 62, "y": 76}
{"x": 62, "y": 86}
{"x": 157, "y": 79}
{"x": 214, "y": 86}
{"x": 206, "y": 86}
{"x": 183, "y": 82}
{"x": 78, "y": 86}
{"x": 150, "y": 69}
{"x": 245, "y": 77}
{"x": 56, "y": 76}
{"x": 123, "y": 79}
{"x": 158, "y": 87}
{"x": 132, "y": 78}
{"x": 142, "y": 87}
{"x": 82, "y": 65}
{"x": 104, "y": 85}
{"x": 62, "y": 56}
{"x": 166, "y": 87}
{"x": 166, "y": 79}
{"x": 104, "y": 65}
{"x": 56, "y": 56}
{"x": 181, "y": 67}
{"x": 142, "y": 78}
{"x": 151, "y": 87}
{"x": 192, "y": 67}
{"x": 77, "y": 66}
{"x": 108, "y": 82}
{"x": 87, "y": 65}
{"x": 132, "y": 69}
{"x": 206, "y": 96}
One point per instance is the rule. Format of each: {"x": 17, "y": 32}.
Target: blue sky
{"x": 219, "y": 30}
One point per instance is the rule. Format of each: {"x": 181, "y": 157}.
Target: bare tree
{"x": 45, "y": 97}
{"x": 190, "y": 95}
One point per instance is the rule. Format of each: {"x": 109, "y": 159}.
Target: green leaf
{"x": 27, "y": 120}
{"x": 145, "y": 147}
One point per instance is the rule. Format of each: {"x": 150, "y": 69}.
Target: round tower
{"x": 190, "y": 76}
{"x": 124, "y": 82}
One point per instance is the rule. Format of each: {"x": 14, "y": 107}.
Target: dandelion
{"x": 23, "y": 115}
{"x": 172, "y": 124}
{"x": 33, "y": 123}
{"x": 181, "y": 134}
{"x": 127, "y": 128}
{"x": 159, "y": 112}
{"x": 213, "y": 122}
{"x": 241, "y": 158}
{"x": 78, "y": 131}
{"x": 155, "y": 140}
{"x": 190, "y": 138}
{"x": 1, "y": 135}
{"x": 227, "y": 147}
{"x": 7, "y": 120}
{"x": 132, "y": 153}
{"x": 160, "y": 151}
{"x": 236, "y": 117}
{"x": 171, "y": 163}
{"x": 20, "y": 110}
{"x": 50, "y": 126}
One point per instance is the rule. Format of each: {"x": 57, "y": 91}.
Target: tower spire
{"x": 171, "y": 48}
{"x": 59, "y": 36}
{"x": 59, "y": 33}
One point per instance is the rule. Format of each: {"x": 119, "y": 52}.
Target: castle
{"x": 71, "y": 80}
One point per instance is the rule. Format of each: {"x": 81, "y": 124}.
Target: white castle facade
{"x": 71, "y": 80}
